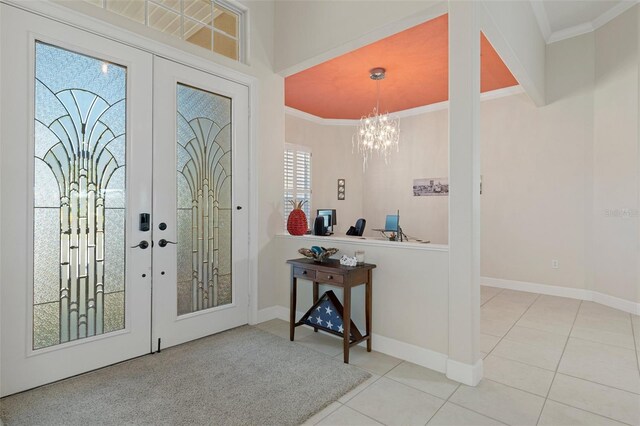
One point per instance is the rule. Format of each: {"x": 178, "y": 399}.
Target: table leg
{"x": 315, "y": 298}
{"x": 292, "y": 305}
{"x": 346, "y": 319}
{"x": 368, "y": 290}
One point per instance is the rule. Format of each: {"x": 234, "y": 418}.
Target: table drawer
{"x": 307, "y": 274}
{"x": 328, "y": 277}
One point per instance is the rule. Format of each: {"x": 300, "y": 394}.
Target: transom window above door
{"x": 216, "y": 25}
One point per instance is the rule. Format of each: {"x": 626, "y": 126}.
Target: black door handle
{"x": 142, "y": 244}
{"x": 163, "y": 242}
{"x": 238, "y": 207}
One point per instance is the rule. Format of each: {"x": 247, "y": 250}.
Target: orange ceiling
{"x": 417, "y": 74}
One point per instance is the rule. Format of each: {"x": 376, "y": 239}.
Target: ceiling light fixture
{"x": 377, "y": 132}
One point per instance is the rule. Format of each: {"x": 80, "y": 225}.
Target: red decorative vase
{"x": 297, "y": 220}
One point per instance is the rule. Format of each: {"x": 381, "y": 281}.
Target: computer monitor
{"x": 329, "y": 218}
{"x": 392, "y": 222}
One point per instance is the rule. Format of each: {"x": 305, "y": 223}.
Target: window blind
{"x": 297, "y": 179}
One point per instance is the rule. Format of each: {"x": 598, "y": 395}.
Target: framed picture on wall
{"x": 431, "y": 187}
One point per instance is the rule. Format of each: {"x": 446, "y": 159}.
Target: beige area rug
{"x": 243, "y": 376}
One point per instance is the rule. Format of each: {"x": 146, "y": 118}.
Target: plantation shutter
{"x": 297, "y": 179}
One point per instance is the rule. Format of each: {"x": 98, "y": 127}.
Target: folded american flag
{"x": 326, "y": 314}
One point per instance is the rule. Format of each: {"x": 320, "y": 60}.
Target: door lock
{"x": 145, "y": 222}
{"x": 163, "y": 242}
{"x": 142, "y": 244}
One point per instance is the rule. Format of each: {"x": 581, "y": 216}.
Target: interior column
{"x": 464, "y": 363}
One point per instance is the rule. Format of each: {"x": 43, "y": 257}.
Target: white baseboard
{"x": 616, "y": 303}
{"x": 273, "y": 312}
{"x": 572, "y": 293}
{"x": 425, "y": 357}
{"x": 464, "y": 373}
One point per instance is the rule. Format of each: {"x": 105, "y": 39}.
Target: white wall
{"x": 408, "y": 303}
{"x": 549, "y": 174}
{"x": 310, "y": 32}
{"x": 616, "y": 161}
{"x": 424, "y": 153}
{"x": 331, "y": 159}
{"x": 381, "y": 189}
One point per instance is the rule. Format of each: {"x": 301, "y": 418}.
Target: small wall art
{"x": 431, "y": 187}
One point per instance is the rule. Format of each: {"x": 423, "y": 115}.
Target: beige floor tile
{"x": 281, "y": 328}
{"x": 496, "y": 328}
{"x": 532, "y": 336}
{"x": 597, "y": 310}
{"x": 635, "y": 322}
{"x": 393, "y": 403}
{"x": 322, "y": 414}
{"x": 522, "y": 376}
{"x": 538, "y": 356}
{"x": 517, "y": 297}
{"x": 616, "y": 336}
{"x": 488, "y": 342}
{"x": 500, "y": 308}
{"x": 455, "y": 415}
{"x": 545, "y": 323}
{"x": 423, "y": 379}
{"x": 609, "y": 365}
{"x": 504, "y": 403}
{"x": 322, "y": 342}
{"x": 362, "y": 386}
{"x": 555, "y": 414}
{"x": 563, "y": 303}
{"x": 548, "y": 311}
{"x": 608, "y": 322}
{"x": 486, "y": 293}
{"x": 346, "y": 416}
{"x": 374, "y": 362}
{"x": 596, "y": 398}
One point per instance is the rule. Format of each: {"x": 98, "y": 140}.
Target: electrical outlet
{"x": 555, "y": 264}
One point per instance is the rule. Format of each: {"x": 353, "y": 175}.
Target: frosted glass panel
{"x": 79, "y": 193}
{"x": 203, "y": 186}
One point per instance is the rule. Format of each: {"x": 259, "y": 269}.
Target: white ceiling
{"x": 560, "y": 19}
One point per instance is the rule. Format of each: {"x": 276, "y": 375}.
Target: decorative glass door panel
{"x": 79, "y": 193}
{"x": 76, "y": 172}
{"x": 203, "y": 199}
{"x": 200, "y": 183}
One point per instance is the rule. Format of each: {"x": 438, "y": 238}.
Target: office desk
{"x": 334, "y": 274}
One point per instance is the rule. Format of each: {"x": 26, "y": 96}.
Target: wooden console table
{"x": 345, "y": 277}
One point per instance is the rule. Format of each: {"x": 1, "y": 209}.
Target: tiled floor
{"x": 547, "y": 361}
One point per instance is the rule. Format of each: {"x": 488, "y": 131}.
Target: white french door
{"x": 83, "y": 282}
{"x": 76, "y": 172}
{"x": 200, "y": 268}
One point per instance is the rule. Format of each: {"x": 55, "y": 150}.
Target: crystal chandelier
{"x": 377, "y": 132}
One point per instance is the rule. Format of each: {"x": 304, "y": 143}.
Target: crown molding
{"x": 487, "y": 96}
{"x": 612, "y": 13}
{"x": 319, "y": 120}
{"x": 584, "y": 28}
{"x": 570, "y": 32}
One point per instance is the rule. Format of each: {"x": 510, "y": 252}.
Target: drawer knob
{"x": 304, "y": 272}
{"x": 330, "y": 277}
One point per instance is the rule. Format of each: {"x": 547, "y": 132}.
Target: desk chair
{"x": 358, "y": 230}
